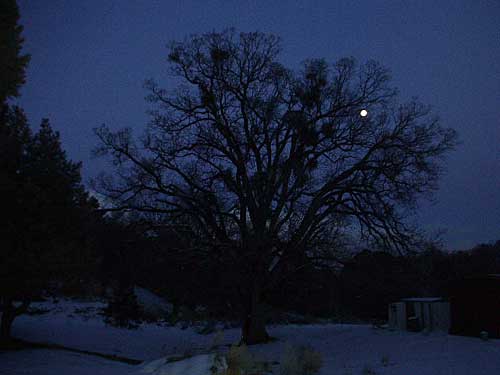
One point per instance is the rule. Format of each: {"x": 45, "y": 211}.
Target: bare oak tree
{"x": 265, "y": 161}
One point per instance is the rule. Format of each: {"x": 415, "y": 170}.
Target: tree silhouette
{"x": 45, "y": 211}
{"x": 12, "y": 62}
{"x": 267, "y": 164}
{"x": 15, "y": 136}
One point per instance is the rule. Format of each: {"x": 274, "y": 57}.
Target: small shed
{"x": 420, "y": 314}
{"x": 475, "y": 306}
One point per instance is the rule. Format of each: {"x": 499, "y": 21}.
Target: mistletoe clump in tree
{"x": 267, "y": 164}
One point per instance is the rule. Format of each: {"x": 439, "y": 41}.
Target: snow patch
{"x": 152, "y": 304}
{"x": 202, "y": 364}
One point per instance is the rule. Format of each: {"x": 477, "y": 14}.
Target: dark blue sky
{"x": 90, "y": 59}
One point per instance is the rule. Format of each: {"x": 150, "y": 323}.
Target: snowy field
{"x": 346, "y": 349}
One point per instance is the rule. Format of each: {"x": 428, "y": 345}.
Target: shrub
{"x": 300, "y": 361}
{"x": 123, "y": 310}
{"x": 385, "y": 360}
{"x": 368, "y": 370}
{"x": 239, "y": 361}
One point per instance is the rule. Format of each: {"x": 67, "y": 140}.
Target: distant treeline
{"x": 360, "y": 289}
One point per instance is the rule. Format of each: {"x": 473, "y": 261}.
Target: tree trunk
{"x": 254, "y": 322}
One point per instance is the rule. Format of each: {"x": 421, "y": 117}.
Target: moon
{"x": 363, "y": 113}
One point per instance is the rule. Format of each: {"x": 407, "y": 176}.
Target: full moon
{"x": 363, "y": 113}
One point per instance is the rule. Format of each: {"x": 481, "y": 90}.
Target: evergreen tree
{"x": 12, "y": 62}
{"x": 46, "y": 216}
{"x": 15, "y": 196}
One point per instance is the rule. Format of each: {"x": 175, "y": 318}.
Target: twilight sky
{"x": 90, "y": 59}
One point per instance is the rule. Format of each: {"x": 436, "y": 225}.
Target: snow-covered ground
{"x": 346, "y": 349}
{"x": 77, "y": 325}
